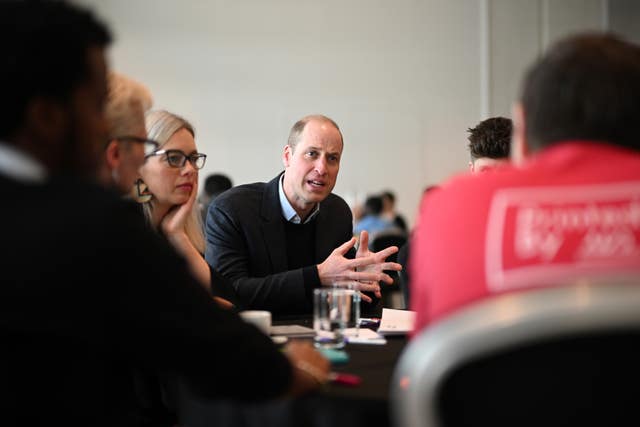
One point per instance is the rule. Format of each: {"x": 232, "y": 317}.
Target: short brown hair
{"x": 298, "y": 128}
{"x": 586, "y": 87}
{"x": 491, "y": 138}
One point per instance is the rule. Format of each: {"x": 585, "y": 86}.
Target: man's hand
{"x": 364, "y": 272}
{"x": 223, "y": 303}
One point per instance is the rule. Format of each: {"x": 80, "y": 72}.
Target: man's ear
{"x": 519, "y": 147}
{"x": 286, "y": 155}
{"x": 470, "y": 166}
{"x": 47, "y": 119}
{"x": 112, "y": 154}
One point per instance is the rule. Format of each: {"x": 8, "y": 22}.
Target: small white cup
{"x": 259, "y": 318}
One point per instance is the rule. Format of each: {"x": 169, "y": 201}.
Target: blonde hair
{"x": 161, "y": 126}
{"x": 126, "y": 104}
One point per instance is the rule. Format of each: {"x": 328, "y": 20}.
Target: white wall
{"x": 404, "y": 79}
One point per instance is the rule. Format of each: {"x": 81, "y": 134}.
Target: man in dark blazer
{"x": 88, "y": 293}
{"x": 277, "y": 241}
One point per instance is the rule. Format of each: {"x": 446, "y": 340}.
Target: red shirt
{"x": 571, "y": 211}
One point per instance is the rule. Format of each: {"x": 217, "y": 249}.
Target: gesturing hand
{"x": 337, "y": 268}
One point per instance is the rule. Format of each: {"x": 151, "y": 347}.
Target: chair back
{"x": 378, "y": 242}
{"x": 383, "y": 239}
{"x": 552, "y": 356}
{"x": 403, "y": 275}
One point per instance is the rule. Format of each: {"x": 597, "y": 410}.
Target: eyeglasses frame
{"x": 150, "y": 146}
{"x": 193, "y": 158}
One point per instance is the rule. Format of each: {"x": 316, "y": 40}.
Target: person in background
{"x": 372, "y": 220}
{"x": 278, "y": 241}
{"x": 489, "y": 144}
{"x": 127, "y": 102}
{"x": 169, "y": 185}
{"x": 214, "y": 184}
{"x": 574, "y": 185}
{"x": 105, "y": 295}
{"x": 389, "y": 211}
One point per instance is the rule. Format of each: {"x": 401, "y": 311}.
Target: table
{"x": 366, "y": 405}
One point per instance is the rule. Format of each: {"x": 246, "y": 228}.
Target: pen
{"x": 356, "y": 340}
{"x": 344, "y": 379}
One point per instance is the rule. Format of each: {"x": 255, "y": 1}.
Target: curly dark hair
{"x": 490, "y": 138}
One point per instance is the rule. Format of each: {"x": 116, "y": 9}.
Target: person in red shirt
{"x": 569, "y": 205}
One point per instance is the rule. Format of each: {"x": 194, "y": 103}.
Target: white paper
{"x": 396, "y": 321}
{"x": 360, "y": 333}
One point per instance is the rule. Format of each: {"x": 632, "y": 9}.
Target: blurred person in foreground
{"x": 104, "y": 295}
{"x": 489, "y": 144}
{"x": 568, "y": 207}
{"x": 277, "y": 241}
{"x": 127, "y": 142}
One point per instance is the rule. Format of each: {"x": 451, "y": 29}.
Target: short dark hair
{"x": 43, "y": 52}
{"x": 373, "y": 205}
{"x": 388, "y": 194}
{"x": 586, "y": 87}
{"x": 491, "y": 138}
{"x": 216, "y": 183}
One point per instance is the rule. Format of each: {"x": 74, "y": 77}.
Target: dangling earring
{"x": 140, "y": 192}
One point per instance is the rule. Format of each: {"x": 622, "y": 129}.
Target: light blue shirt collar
{"x": 288, "y": 212}
{"x": 20, "y": 166}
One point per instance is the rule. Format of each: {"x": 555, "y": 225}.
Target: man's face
{"x": 311, "y": 168}
{"x": 88, "y": 125}
{"x": 484, "y": 164}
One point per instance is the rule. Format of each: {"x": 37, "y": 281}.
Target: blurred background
{"x": 403, "y": 79}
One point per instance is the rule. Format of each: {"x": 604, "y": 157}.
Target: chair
{"x": 403, "y": 275}
{"x": 379, "y": 241}
{"x": 391, "y": 237}
{"x": 545, "y": 357}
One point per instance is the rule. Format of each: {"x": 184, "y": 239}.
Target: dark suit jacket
{"x": 88, "y": 294}
{"x": 246, "y": 243}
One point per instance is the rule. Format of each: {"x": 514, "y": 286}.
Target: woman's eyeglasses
{"x": 150, "y": 146}
{"x": 178, "y": 159}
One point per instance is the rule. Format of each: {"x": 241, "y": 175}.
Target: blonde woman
{"x": 169, "y": 187}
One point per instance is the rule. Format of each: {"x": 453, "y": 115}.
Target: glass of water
{"x": 336, "y": 310}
